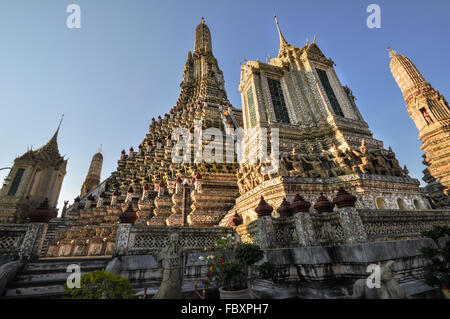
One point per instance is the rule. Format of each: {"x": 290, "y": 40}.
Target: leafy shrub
{"x": 228, "y": 261}
{"x": 100, "y": 284}
{"x": 268, "y": 271}
{"x": 437, "y": 272}
{"x": 248, "y": 254}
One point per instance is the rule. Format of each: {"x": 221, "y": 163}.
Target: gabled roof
{"x": 48, "y": 153}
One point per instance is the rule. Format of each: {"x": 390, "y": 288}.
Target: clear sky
{"x": 124, "y": 66}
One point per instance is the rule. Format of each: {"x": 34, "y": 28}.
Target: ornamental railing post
{"x": 265, "y": 234}
{"x": 302, "y": 221}
{"x": 349, "y": 217}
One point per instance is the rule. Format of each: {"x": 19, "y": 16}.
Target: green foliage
{"x": 437, "y": 272}
{"x": 233, "y": 276}
{"x": 268, "y": 271}
{"x": 228, "y": 262}
{"x": 437, "y": 232}
{"x": 100, "y": 284}
{"x": 248, "y": 254}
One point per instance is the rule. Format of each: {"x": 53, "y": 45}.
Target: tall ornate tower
{"x": 431, "y": 113}
{"x": 151, "y": 178}
{"x": 324, "y": 142}
{"x": 94, "y": 173}
{"x": 203, "y": 81}
{"x": 35, "y": 176}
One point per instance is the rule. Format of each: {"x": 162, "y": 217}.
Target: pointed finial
{"x": 282, "y": 40}
{"x": 100, "y": 148}
{"x": 59, "y": 125}
{"x": 392, "y": 53}
{"x": 314, "y": 41}
{"x": 307, "y": 41}
{"x": 202, "y": 21}
{"x": 57, "y": 130}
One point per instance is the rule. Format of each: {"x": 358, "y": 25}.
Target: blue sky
{"x": 125, "y": 64}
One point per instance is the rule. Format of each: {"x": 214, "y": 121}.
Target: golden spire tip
{"x": 392, "y": 53}
{"x": 282, "y": 40}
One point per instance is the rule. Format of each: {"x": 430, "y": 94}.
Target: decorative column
{"x": 302, "y": 220}
{"x": 181, "y": 204}
{"x": 36, "y": 231}
{"x": 123, "y": 236}
{"x": 327, "y": 234}
{"x": 146, "y": 205}
{"x": 163, "y": 203}
{"x": 265, "y": 234}
{"x": 349, "y": 217}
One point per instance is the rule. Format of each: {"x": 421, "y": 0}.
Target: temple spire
{"x": 51, "y": 148}
{"x": 202, "y": 78}
{"x": 55, "y": 136}
{"x": 282, "y": 39}
{"x": 392, "y": 53}
{"x": 202, "y": 41}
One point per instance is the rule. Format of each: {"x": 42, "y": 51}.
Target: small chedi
{"x": 296, "y": 168}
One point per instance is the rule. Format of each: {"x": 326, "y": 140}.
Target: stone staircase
{"x": 44, "y": 278}
{"x": 53, "y": 226}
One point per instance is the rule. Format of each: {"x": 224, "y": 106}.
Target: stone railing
{"x": 140, "y": 240}
{"x": 11, "y": 238}
{"x": 22, "y": 241}
{"x": 285, "y": 233}
{"x": 331, "y": 223}
{"x": 327, "y": 229}
{"x": 91, "y": 240}
{"x": 342, "y": 226}
{"x": 387, "y": 225}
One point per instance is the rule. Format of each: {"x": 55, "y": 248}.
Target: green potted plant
{"x": 437, "y": 272}
{"x": 228, "y": 263}
{"x": 100, "y": 284}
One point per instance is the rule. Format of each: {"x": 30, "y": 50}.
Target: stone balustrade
{"x": 388, "y": 225}
{"x": 336, "y": 223}
{"x": 83, "y": 241}
{"x": 11, "y": 238}
{"x": 141, "y": 240}
{"x": 21, "y": 241}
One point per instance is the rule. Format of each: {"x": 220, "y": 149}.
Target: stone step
{"x": 51, "y": 291}
{"x": 59, "y": 269}
{"x": 61, "y": 266}
{"x": 43, "y": 279}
